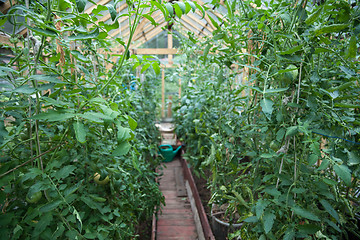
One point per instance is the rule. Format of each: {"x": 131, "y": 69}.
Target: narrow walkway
{"x": 176, "y": 220}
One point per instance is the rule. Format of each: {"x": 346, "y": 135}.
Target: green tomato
{"x": 290, "y": 76}
{"x": 34, "y": 198}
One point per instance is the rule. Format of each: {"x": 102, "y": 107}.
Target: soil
{"x": 144, "y": 230}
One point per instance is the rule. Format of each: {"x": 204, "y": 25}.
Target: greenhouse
{"x": 180, "y": 119}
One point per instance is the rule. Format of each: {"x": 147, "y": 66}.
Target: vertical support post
{"x": 163, "y": 93}
{"x": 170, "y": 46}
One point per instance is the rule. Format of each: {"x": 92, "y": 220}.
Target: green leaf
{"x": 268, "y": 219}
{"x": 95, "y": 117}
{"x": 182, "y": 6}
{"x": 206, "y": 51}
{"x": 79, "y": 56}
{"x": 122, "y": 149}
{"x": 43, "y": 223}
{"x": 191, "y": 4}
{"x": 352, "y": 47}
{"x": 26, "y": 89}
{"x": 260, "y": 207}
{"x": 80, "y": 4}
{"x": 78, "y": 219}
{"x": 80, "y": 132}
{"x": 145, "y": 67}
{"x": 156, "y": 67}
{"x": 313, "y": 158}
{"x": 348, "y": 72}
{"x": 267, "y": 107}
{"x": 308, "y": 228}
{"x": 289, "y": 234}
{"x": 178, "y": 11}
{"x": 324, "y": 165}
{"x": 314, "y": 16}
{"x": 64, "y": 172}
{"x": 330, "y": 209}
{"x": 112, "y": 11}
{"x": 333, "y": 225}
{"x": 83, "y": 36}
{"x": 344, "y": 173}
{"x": 123, "y": 134}
{"x": 346, "y": 105}
{"x": 59, "y": 231}
{"x": 169, "y": 9}
{"x": 46, "y": 78}
{"x": 151, "y": 19}
{"x": 50, "y": 206}
{"x": 53, "y": 116}
{"x": 200, "y": 8}
{"x": 292, "y": 50}
{"x": 43, "y": 32}
{"x": 330, "y": 29}
{"x": 354, "y": 158}
{"x": 132, "y": 123}
{"x": 305, "y": 213}
{"x": 272, "y": 191}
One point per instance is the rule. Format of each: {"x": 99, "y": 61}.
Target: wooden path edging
{"x": 203, "y": 218}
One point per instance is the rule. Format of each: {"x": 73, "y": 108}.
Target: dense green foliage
{"x": 282, "y": 144}
{"x": 66, "y": 117}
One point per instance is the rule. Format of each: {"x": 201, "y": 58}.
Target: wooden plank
{"x": 170, "y": 45}
{"x": 4, "y": 8}
{"x": 179, "y": 182}
{"x": 191, "y": 30}
{"x": 148, "y": 33}
{"x": 195, "y": 27}
{"x": 144, "y": 21}
{"x": 193, "y": 18}
{"x": 204, "y": 221}
{"x": 155, "y": 51}
{"x": 163, "y": 93}
{"x": 152, "y": 33}
{"x": 198, "y": 225}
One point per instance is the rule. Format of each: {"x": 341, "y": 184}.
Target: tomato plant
{"x": 275, "y": 109}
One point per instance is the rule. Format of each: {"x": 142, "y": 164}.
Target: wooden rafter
{"x": 152, "y": 34}
{"x": 190, "y": 30}
{"x": 155, "y": 51}
{"x": 202, "y": 24}
{"x": 143, "y": 30}
{"x": 144, "y": 21}
{"x": 148, "y": 31}
{"x": 200, "y": 31}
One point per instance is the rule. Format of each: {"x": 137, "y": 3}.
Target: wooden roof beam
{"x": 195, "y": 27}
{"x": 144, "y": 21}
{"x": 151, "y": 34}
{"x": 190, "y": 30}
{"x": 145, "y": 28}
{"x": 203, "y": 25}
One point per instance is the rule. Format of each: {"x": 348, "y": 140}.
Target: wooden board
{"x": 179, "y": 182}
